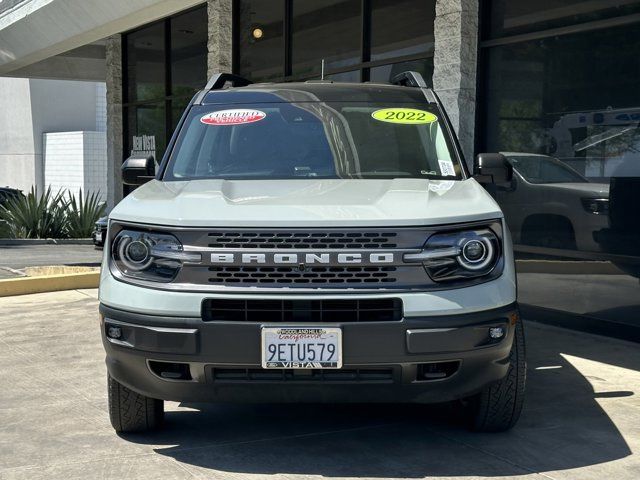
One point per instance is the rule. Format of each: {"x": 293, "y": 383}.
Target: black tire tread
{"x": 498, "y": 406}
{"x": 131, "y": 412}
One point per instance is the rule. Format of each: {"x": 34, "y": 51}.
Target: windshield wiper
{"x": 408, "y": 175}
{"x": 385, "y": 173}
{"x": 400, "y": 173}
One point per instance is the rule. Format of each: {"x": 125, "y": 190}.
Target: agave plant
{"x": 82, "y": 214}
{"x": 4, "y": 229}
{"x": 35, "y": 216}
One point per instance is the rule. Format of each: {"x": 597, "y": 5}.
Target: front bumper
{"x": 382, "y": 361}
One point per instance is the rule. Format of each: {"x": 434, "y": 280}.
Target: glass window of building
{"x": 350, "y": 76}
{"x": 513, "y": 17}
{"x": 260, "y": 39}
{"x": 359, "y": 41}
{"x": 146, "y": 125}
{"x": 565, "y": 110}
{"x": 160, "y": 81}
{"x": 400, "y": 28}
{"x": 574, "y": 97}
{"x": 188, "y": 60}
{"x": 325, "y": 29}
{"x": 188, "y": 53}
{"x": 385, "y": 73}
{"x": 145, "y": 67}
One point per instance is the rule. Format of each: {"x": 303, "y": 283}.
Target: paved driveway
{"x": 581, "y": 419}
{"x": 16, "y": 257}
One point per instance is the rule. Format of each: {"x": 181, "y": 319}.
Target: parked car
{"x": 100, "y": 231}
{"x": 549, "y": 204}
{"x": 311, "y": 242}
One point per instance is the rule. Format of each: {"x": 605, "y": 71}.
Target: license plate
{"x": 301, "y": 347}
{"x": 98, "y": 236}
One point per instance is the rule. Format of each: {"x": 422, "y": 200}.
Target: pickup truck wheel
{"x": 497, "y": 407}
{"x": 131, "y": 412}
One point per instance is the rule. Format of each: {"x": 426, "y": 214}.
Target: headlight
{"x": 459, "y": 255}
{"x": 476, "y": 254}
{"x": 149, "y": 256}
{"x": 597, "y": 206}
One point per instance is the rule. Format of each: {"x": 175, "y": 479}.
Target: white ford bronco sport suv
{"x": 311, "y": 242}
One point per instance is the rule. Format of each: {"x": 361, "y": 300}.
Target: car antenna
{"x": 322, "y": 70}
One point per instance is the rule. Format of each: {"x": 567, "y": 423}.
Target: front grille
{"x": 296, "y": 276}
{"x": 298, "y": 311}
{"x": 320, "y": 273}
{"x": 303, "y": 240}
{"x": 258, "y": 375}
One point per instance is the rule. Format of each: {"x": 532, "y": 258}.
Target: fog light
{"x": 114, "y": 332}
{"x": 497, "y": 332}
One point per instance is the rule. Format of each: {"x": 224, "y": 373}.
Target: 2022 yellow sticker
{"x": 407, "y": 116}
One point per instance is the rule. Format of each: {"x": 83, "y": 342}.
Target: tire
{"x": 498, "y": 406}
{"x": 131, "y": 412}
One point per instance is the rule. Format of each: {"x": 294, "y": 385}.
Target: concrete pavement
{"x": 20, "y": 256}
{"x": 581, "y": 417}
{"x": 16, "y": 257}
{"x": 610, "y": 297}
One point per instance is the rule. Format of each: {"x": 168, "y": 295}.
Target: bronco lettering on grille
{"x": 302, "y": 258}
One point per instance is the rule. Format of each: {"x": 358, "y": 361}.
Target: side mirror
{"x": 138, "y": 169}
{"x": 492, "y": 168}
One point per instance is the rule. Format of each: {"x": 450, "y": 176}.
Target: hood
{"x": 304, "y": 202}
{"x": 593, "y": 189}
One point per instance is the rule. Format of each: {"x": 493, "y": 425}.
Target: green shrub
{"x": 49, "y": 215}
{"x": 35, "y": 216}
{"x": 83, "y": 213}
{"x": 4, "y": 229}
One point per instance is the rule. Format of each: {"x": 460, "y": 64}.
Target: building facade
{"x": 49, "y": 126}
{"x": 552, "y": 84}
{"x": 76, "y": 162}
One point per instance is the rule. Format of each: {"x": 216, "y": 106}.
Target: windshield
{"x": 541, "y": 169}
{"x": 313, "y": 140}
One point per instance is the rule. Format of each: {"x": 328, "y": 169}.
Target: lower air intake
{"x": 258, "y": 375}
{"x": 292, "y": 311}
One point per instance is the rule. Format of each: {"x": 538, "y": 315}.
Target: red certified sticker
{"x": 234, "y": 116}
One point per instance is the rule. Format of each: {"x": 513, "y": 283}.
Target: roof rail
{"x": 219, "y": 80}
{"x": 409, "y": 79}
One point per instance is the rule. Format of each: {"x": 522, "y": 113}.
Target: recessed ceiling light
{"x": 257, "y": 33}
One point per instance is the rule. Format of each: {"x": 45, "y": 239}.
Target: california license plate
{"x": 301, "y": 347}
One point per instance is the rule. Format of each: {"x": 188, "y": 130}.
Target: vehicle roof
{"x": 316, "y": 91}
{"x": 525, "y": 154}
{"x": 551, "y": 159}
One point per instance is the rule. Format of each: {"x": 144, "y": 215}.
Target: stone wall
{"x": 114, "y": 119}
{"x": 219, "y": 45}
{"x": 455, "y": 61}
